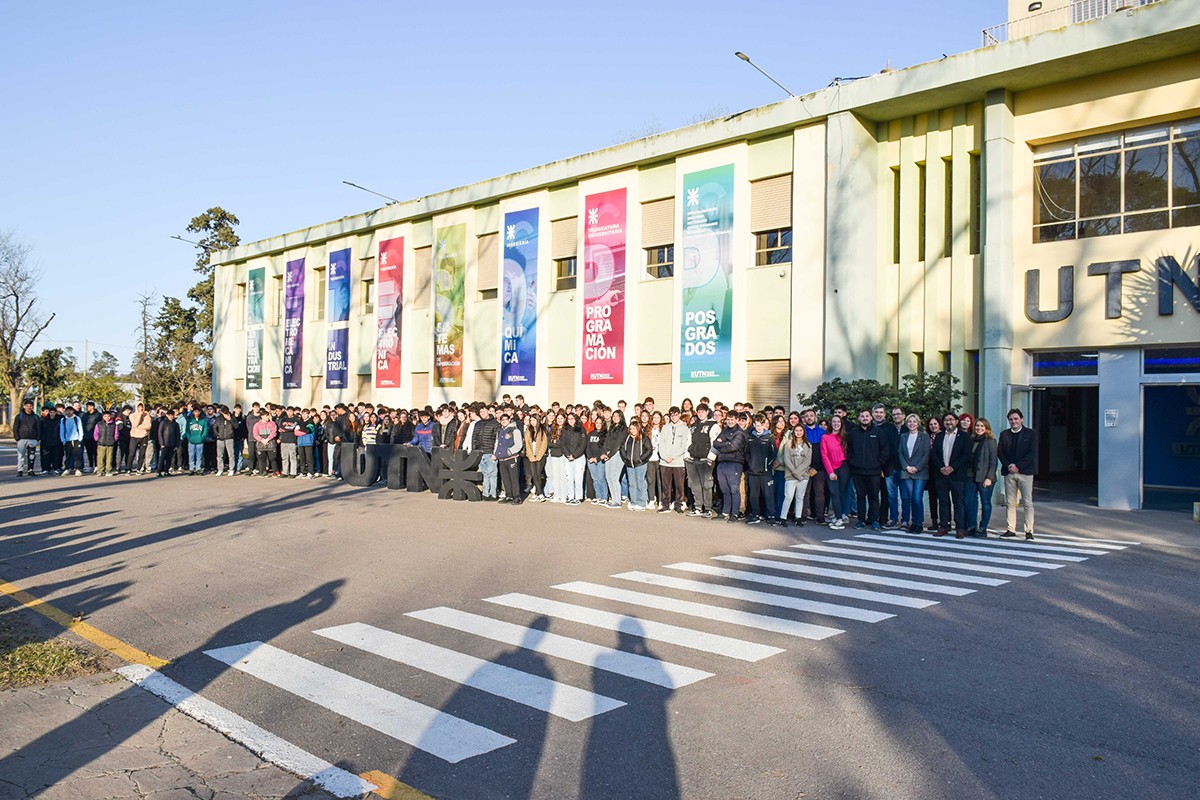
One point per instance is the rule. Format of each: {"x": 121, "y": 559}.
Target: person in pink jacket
{"x": 833, "y": 458}
{"x": 264, "y": 434}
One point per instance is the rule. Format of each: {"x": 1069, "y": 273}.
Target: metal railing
{"x": 1077, "y": 11}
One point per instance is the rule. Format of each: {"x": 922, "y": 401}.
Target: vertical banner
{"x": 336, "y": 358}
{"x": 293, "y": 324}
{"x": 389, "y": 289}
{"x": 449, "y": 273}
{"x": 339, "y": 286}
{"x": 254, "y": 356}
{"x": 706, "y": 336}
{"x": 518, "y": 330}
{"x": 604, "y": 288}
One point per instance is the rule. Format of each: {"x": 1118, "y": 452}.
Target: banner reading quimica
{"x": 518, "y": 329}
{"x": 604, "y": 288}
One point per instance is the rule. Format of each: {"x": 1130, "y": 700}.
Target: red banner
{"x": 604, "y": 288}
{"x": 389, "y": 287}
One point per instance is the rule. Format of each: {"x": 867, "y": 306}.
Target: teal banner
{"x": 706, "y": 336}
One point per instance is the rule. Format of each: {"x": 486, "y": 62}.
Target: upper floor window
{"x": 564, "y": 273}
{"x": 660, "y": 261}
{"x": 1140, "y": 180}
{"x": 773, "y": 247}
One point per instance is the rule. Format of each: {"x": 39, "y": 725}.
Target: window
{"x": 278, "y": 292}
{"x": 319, "y": 274}
{"x": 894, "y": 369}
{"x": 660, "y": 261}
{"x": 920, "y": 360}
{"x": 945, "y": 356}
{"x": 241, "y": 306}
{"x": 564, "y": 273}
{"x": 488, "y": 294}
{"x": 773, "y": 247}
{"x": 921, "y": 212}
{"x": 948, "y": 208}
{"x": 1140, "y": 180}
{"x": 976, "y": 208}
{"x": 896, "y": 215}
{"x": 1171, "y": 360}
{"x": 1061, "y": 363}
{"x": 368, "y": 296}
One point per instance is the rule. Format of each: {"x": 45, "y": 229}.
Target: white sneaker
{"x": 78, "y": 473}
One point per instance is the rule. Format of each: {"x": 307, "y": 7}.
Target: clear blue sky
{"x": 123, "y": 121}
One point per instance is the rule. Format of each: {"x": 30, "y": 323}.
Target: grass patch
{"x": 28, "y": 658}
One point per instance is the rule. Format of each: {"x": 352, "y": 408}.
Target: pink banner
{"x": 604, "y": 288}
{"x": 389, "y": 287}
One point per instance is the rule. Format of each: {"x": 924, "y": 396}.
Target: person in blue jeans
{"x": 635, "y": 452}
{"x": 594, "y": 454}
{"x": 914, "y": 451}
{"x": 614, "y": 464}
{"x": 978, "y": 495}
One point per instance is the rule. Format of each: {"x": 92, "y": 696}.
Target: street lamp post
{"x": 372, "y": 191}
{"x": 746, "y": 58}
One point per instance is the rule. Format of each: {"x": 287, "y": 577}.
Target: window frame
{"x": 368, "y": 296}
{"x": 762, "y": 256}
{"x": 654, "y": 268}
{"x": 321, "y": 286}
{"x": 571, "y": 275}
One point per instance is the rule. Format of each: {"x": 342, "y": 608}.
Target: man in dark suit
{"x": 1018, "y": 454}
{"x": 951, "y": 458}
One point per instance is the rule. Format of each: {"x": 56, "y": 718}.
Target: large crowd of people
{"x": 704, "y": 459}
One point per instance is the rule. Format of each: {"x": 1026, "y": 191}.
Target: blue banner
{"x": 518, "y": 328}
{"x": 337, "y": 358}
{"x": 339, "y": 286}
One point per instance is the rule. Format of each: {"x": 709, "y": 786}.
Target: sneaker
{"x": 664, "y": 510}
{"x": 753, "y": 520}
{"x": 1029, "y": 537}
{"x": 78, "y": 473}
{"x": 891, "y": 525}
{"x": 837, "y": 525}
{"x": 875, "y": 527}
{"x": 612, "y": 505}
{"x": 20, "y": 474}
{"x": 859, "y": 526}
{"x": 1008, "y": 535}
{"x": 695, "y": 512}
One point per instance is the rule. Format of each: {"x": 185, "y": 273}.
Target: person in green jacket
{"x": 196, "y": 433}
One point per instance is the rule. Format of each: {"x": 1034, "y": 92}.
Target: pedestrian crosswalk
{"x": 738, "y": 608}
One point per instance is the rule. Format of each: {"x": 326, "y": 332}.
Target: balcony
{"x": 1077, "y": 11}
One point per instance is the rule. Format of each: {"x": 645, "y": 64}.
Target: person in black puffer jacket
{"x": 635, "y": 452}
{"x": 730, "y": 447}
{"x": 613, "y": 461}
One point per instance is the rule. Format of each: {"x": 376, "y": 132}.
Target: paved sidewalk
{"x": 127, "y": 744}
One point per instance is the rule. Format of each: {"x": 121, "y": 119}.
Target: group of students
{"x": 707, "y": 460}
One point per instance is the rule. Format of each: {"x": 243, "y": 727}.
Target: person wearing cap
{"x": 26, "y": 429}
{"x": 107, "y": 434}
{"x": 51, "y": 444}
{"x": 70, "y": 432}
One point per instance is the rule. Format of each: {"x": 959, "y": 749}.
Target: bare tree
{"x": 21, "y": 318}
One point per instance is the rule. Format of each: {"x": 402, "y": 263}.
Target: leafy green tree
{"x": 51, "y": 371}
{"x": 216, "y": 226}
{"x": 178, "y": 366}
{"x": 925, "y": 394}
{"x": 21, "y": 317}
{"x": 931, "y": 394}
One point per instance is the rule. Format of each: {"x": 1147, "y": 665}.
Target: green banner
{"x": 449, "y": 273}
{"x": 254, "y": 358}
{"x": 707, "y": 332}
{"x": 256, "y": 292}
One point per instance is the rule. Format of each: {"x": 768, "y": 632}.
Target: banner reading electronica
{"x": 518, "y": 330}
{"x": 389, "y": 287}
{"x": 339, "y": 286}
{"x": 449, "y": 273}
{"x": 336, "y": 358}
{"x": 293, "y": 324}
{"x": 604, "y": 288}
{"x": 254, "y": 356}
{"x": 705, "y": 340}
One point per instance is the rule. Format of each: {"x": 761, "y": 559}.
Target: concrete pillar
{"x": 1119, "y": 483}
{"x": 995, "y": 292}
{"x": 851, "y": 248}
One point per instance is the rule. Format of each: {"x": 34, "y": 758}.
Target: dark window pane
{"x": 1054, "y": 233}
{"x": 1187, "y": 173}
{"x": 1107, "y": 226}
{"x": 1100, "y": 185}
{"x": 1167, "y": 360}
{"x": 1185, "y": 217}
{"x": 785, "y": 237}
{"x": 1056, "y": 192}
{"x": 780, "y": 256}
{"x": 1146, "y": 178}
{"x": 1063, "y": 362}
{"x": 1154, "y": 221}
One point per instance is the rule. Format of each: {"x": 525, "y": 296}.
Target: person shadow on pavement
{"x": 511, "y": 771}
{"x": 628, "y": 753}
{"x": 88, "y": 736}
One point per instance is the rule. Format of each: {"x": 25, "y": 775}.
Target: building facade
{"x": 1026, "y": 215}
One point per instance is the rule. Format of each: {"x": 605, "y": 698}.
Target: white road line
{"x": 978, "y": 580}
{"x": 535, "y": 691}
{"x": 445, "y": 736}
{"x": 995, "y": 545}
{"x": 1111, "y": 544}
{"x": 763, "y": 622}
{"x": 647, "y": 629}
{"x": 928, "y": 551}
{"x": 939, "y": 562}
{"x": 262, "y": 743}
{"x": 632, "y": 665}
{"x": 764, "y": 598}
{"x": 859, "y": 577}
{"x": 973, "y": 548}
{"x": 806, "y": 586}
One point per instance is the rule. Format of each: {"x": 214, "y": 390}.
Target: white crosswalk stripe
{"x": 806, "y": 586}
{"x": 763, "y": 598}
{"x": 916, "y": 548}
{"x": 860, "y": 552}
{"x": 1087, "y": 541}
{"x": 440, "y": 734}
{"x": 977, "y": 580}
{"x": 632, "y": 665}
{"x": 763, "y": 622}
{"x": 535, "y": 691}
{"x": 647, "y": 629}
{"x": 973, "y": 548}
{"x": 858, "y": 577}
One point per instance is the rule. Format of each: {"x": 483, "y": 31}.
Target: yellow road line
{"x": 112, "y": 644}
{"x": 391, "y": 788}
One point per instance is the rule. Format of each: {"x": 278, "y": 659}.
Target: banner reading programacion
{"x": 604, "y": 288}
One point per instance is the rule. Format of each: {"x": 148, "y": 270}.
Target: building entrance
{"x": 1171, "y": 448}
{"x": 1067, "y": 419}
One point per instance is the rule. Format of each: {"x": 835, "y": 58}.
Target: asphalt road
{"x": 1078, "y": 681}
